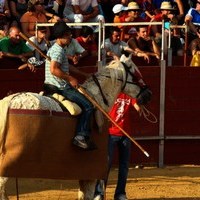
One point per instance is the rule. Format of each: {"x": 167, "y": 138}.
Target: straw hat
{"x": 118, "y": 8}
{"x": 133, "y": 6}
{"x": 165, "y": 5}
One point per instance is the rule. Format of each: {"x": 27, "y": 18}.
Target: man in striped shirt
{"x": 57, "y": 76}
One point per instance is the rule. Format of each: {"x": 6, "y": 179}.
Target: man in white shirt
{"x": 74, "y": 51}
{"x": 82, "y": 11}
{"x": 41, "y": 41}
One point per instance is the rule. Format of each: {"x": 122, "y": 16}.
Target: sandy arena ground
{"x": 171, "y": 183}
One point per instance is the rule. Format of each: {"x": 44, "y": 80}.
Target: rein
{"x": 99, "y": 86}
{"x": 134, "y": 78}
{"x": 127, "y": 70}
{"x": 129, "y": 82}
{"x": 148, "y": 115}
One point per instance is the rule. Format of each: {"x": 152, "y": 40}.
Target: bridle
{"x": 128, "y": 72}
{"x": 149, "y": 116}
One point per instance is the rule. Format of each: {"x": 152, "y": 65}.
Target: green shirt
{"x": 17, "y": 49}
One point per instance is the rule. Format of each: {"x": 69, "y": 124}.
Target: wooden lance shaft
{"x": 89, "y": 98}
{"x": 82, "y": 90}
{"x": 34, "y": 45}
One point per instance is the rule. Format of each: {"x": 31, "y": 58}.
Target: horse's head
{"x": 131, "y": 79}
{"x": 118, "y": 76}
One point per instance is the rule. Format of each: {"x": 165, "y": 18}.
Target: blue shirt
{"x": 57, "y": 54}
{"x": 194, "y": 14}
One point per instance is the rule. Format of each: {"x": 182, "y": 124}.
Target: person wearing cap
{"x": 132, "y": 16}
{"x": 58, "y": 77}
{"x": 178, "y": 4}
{"x": 133, "y": 13}
{"x": 120, "y": 13}
{"x": 41, "y": 41}
{"x": 167, "y": 13}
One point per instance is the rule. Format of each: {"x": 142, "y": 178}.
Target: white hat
{"x": 118, "y": 8}
{"x": 133, "y": 6}
{"x": 165, "y": 5}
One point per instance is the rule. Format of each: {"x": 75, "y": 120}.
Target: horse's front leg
{"x": 3, "y": 195}
{"x": 86, "y": 190}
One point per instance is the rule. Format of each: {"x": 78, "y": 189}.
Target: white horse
{"x": 112, "y": 79}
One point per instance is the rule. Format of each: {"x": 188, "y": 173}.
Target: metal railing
{"x": 101, "y": 62}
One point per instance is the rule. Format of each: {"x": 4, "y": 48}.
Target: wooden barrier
{"x": 38, "y": 144}
{"x": 182, "y": 110}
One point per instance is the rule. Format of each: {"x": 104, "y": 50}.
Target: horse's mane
{"x": 108, "y": 77}
{"x": 116, "y": 69}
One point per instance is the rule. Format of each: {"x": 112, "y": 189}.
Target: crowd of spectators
{"x": 24, "y": 14}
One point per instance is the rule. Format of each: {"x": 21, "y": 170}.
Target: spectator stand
{"x": 162, "y": 72}
{"x": 100, "y": 37}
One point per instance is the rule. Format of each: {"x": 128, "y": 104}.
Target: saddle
{"x": 66, "y": 105}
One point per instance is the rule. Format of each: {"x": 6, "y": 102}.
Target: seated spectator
{"x": 40, "y": 41}
{"x": 115, "y": 47}
{"x": 87, "y": 41}
{"x": 148, "y": 10}
{"x": 143, "y": 43}
{"x": 157, "y": 4}
{"x": 48, "y": 8}
{"x": 132, "y": 16}
{"x": 119, "y": 16}
{"x": 58, "y": 7}
{"x": 74, "y": 51}
{"x": 5, "y": 17}
{"x": 107, "y": 7}
{"x": 119, "y": 13}
{"x": 18, "y": 8}
{"x": 82, "y": 11}
{"x": 192, "y": 18}
{"x": 178, "y": 4}
{"x": 166, "y": 13}
{"x": 194, "y": 47}
{"x": 34, "y": 14}
{"x": 180, "y": 12}
{"x": 13, "y": 47}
